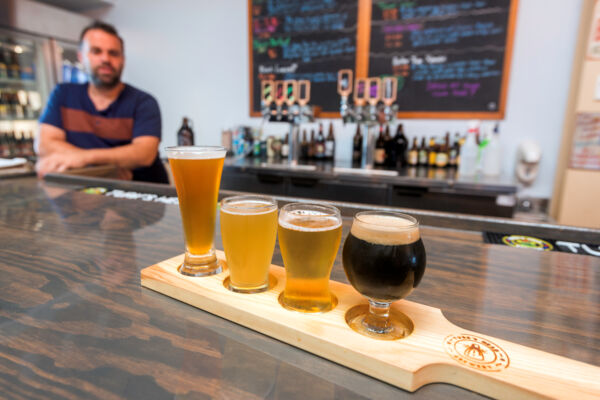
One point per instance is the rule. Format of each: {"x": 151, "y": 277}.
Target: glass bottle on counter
{"x": 390, "y": 148}
{"x": 304, "y": 146}
{"x": 311, "y": 146}
{"x": 453, "y": 153}
{"x": 379, "y": 156}
{"x": 3, "y": 66}
{"x": 413, "y": 154}
{"x": 357, "y": 146}
{"x": 401, "y": 143}
{"x": 432, "y": 155}
{"x": 185, "y": 135}
{"x": 441, "y": 160}
{"x": 14, "y": 70}
{"x": 319, "y": 152}
{"x": 423, "y": 153}
{"x": 330, "y": 144}
{"x": 285, "y": 146}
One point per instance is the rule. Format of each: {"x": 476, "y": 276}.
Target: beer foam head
{"x": 386, "y": 229}
{"x": 248, "y": 206}
{"x": 309, "y": 220}
{"x": 196, "y": 152}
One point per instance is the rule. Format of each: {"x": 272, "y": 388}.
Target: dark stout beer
{"x": 384, "y": 257}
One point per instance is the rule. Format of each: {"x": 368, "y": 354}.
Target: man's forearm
{"x": 127, "y": 156}
{"x": 47, "y": 147}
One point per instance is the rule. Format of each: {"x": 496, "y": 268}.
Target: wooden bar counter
{"x": 75, "y": 322}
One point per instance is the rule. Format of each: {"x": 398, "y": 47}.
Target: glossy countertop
{"x": 75, "y": 322}
{"x": 440, "y": 179}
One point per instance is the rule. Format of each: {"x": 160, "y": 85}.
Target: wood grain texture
{"x": 423, "y": 357}
{"x": 75, "y": 323}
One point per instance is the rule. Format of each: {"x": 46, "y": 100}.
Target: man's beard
{"x": 102, "y": 81}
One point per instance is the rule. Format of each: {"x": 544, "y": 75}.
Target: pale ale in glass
{"x": 248, "y": 230}
{"x": 309, "y": 238}
{"x": 197, "y": 175}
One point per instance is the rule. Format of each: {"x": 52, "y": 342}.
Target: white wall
{"x": 192, "y": 55}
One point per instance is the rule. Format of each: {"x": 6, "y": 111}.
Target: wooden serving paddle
{"x": 436, "y": 351}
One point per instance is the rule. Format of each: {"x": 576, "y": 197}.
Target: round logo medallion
{"x": 476, "y": 352}
{"x": 526, "y": 242}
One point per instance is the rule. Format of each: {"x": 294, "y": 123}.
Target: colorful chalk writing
{"x": 450, "y": 54}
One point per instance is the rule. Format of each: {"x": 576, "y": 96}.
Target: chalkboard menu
{"x": 451, "y": 57}
{"x": 448, "y": 55}
{"x": 308, "y": 39}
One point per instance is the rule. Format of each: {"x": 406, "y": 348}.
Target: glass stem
{"x": 378, "y": 318}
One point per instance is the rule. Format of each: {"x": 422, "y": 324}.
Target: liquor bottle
{"x": 14, "y": 70}
{"x": 423, "y": 153}
{"x": 3, "y": 66}
{"x": 413, "y": 154}
{"x": 17, "y": 107}
{"x": 379, "y": 156}
{"x": 311, "y": 146}
{"x": 330, "y": 144}
{"x": 2, "y": 144}
{"x": 3, "y": 105}
{"x": 285, "y": 146}
{"x": 441, "y": 160}
{"x": 390, "y": 148}
{"x": 432, "y": 155}
{"x": 401, "y": 143}
{"x": 185, "y": 135}
{"x": 304, "y": 146}
{"x": 31, "y": 144}
{"x": 357, "y": 145}
{"x": 319, "y": 153}
{"x": 248, "y": 142}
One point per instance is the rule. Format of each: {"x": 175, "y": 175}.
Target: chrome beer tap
{"x": 390, "y": 91}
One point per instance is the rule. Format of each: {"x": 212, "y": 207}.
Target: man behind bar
{"x": 104, "y": 121}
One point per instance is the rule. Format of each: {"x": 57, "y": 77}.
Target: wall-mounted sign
{"x": 585, "y": 153}
{"x": 594, "y": 40}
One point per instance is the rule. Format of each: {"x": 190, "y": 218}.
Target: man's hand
{"x": 60, "y": 162}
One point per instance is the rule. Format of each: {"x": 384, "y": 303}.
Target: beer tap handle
{"x": 360, "y": 91}
{"x": 289, "y": 91}
{"x": 266, "y": 90}
{"x": 303, "y": 92}
{"x": 390, "y": 90}
{"x": 279, "y": 98}
{"x": 344, "y": 82}
{"x": 374, "y": 91}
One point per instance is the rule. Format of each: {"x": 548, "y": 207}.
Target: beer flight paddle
{"x": 435, "y": 351}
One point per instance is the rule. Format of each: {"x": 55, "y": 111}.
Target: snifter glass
{"x": 197, "y": 175}
{"x": 309, "y": 239}
{"x": 384, "y": 260}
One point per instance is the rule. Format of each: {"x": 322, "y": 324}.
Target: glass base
{"x": 200, "y": 265}
{"x": 272, "y": 282}
{"x": 307, "y": 305}
{"x": 400, "y": 326}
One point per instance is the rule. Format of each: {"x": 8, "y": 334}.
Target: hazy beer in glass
{"x": 248, "y": 230}
{"x": 309, "y": 238}
{"x": 197, "y": 175}
{"x": 384, "y": 260}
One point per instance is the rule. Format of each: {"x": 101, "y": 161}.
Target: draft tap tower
{"x": 373, "y": 103}
{"x": 287, "y": 101}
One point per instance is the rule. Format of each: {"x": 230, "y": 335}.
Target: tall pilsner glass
{"x": 384, "y": 260}
{"x": 197, "y": 175}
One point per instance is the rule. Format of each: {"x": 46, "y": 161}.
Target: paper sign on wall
{"x": 594, "y": 40}
{"x": 585, "y": 153}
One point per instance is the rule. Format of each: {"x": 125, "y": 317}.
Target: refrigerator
{"x": 38, "y": 49}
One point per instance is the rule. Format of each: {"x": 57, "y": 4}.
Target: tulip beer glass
{"x": 197, "y": 175}
{"x": 309, "y": 238}
{"x": 248, "y": 230}
{"x": 384, "y": 260}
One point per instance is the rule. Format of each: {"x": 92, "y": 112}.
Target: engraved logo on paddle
{"x": 476, "y": 352}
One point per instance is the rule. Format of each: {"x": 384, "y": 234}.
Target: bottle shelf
{"x": 18, "y": 82}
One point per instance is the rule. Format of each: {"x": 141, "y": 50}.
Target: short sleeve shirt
{"x": 133, "y": 114}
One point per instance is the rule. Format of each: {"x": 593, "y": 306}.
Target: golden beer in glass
{"x": 248, "y": 230}
{"x": 197, "y": 175}
{"x": 309, "y": 238}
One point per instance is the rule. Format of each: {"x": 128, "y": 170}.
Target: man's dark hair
{"x": 103, "y": 26}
